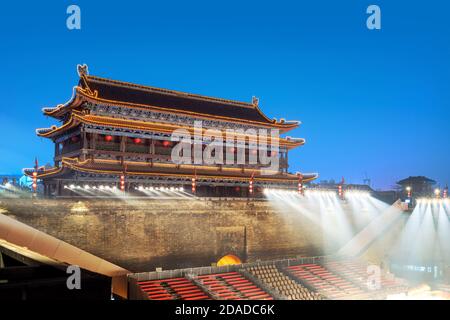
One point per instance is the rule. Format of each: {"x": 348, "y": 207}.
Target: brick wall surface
{"x": 143, "y": 234}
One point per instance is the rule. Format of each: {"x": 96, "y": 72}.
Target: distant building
{"x": 9, "y": 178}
{"x": 388, "y": 196}
{"x": 418, "y": 185}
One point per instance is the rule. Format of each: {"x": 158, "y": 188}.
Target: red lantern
{"x": 108, "y": 138}
{"x": 237, "y": 189}
{"x": 166, "y": 143}
{"x": 232, "y": 149}
{"x": 137, "y": 140}
{"x": 193, "y": 185}
{"x": 254, "y": 151}
{"x": 122, "y": 182}
{"x": 300, "y": 184}
{"x": 75, "y": 139}
{"x": 34, "y": 184}
{"x": 340, "y": 192}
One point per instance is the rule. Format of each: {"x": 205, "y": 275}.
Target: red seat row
{"x": 172, "y": 289}
{"x": 324, "y": 281}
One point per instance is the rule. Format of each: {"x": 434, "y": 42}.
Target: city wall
{"x": 141, "y": 235}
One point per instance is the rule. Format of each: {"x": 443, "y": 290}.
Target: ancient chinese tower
{"x": 115, "y": 135}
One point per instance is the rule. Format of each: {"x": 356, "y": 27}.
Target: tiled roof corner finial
{"x": 82, "y": 69}
{"x": 255, "y": 101}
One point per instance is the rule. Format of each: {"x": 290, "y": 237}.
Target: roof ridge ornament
{"x": 255, "y": 101}
{"x": 83, "y": 72}
{"x": 82, "y": 69}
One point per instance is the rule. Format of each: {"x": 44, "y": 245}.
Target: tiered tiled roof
{"x": 102, "y": 166}
{"x": 77, "y": 117}
{"x": 121, "y": 93}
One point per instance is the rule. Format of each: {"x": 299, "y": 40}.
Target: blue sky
{"x": 375, "y": 102}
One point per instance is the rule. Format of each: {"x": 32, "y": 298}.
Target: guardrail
{"x": 157, "y": 275}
